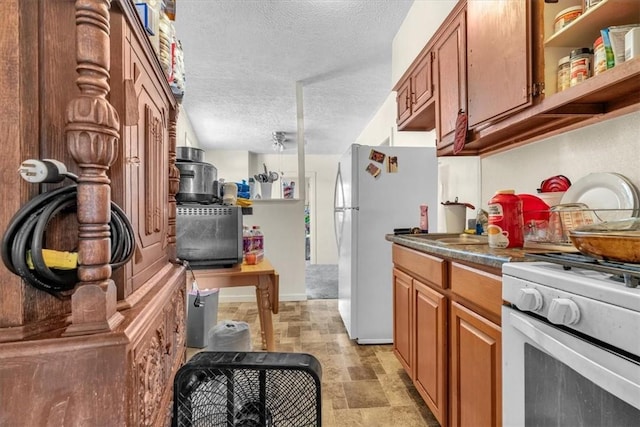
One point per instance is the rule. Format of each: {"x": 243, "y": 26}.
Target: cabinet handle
{"x": 406, "y": 101}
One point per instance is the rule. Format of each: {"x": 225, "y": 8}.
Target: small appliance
{"x": 209, "y": 236}
{"x": 197, "y": 178}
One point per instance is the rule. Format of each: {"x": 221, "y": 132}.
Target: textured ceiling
{"x": 244, "y": 57}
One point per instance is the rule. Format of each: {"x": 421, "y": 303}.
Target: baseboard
{"x": 252, "y": 298}
{"x": 375, "y": 341}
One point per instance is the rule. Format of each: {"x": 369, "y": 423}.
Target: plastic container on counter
{"x": 506, "y": 223}
{"x": 564, "y": 74}
{"x": 565, "y": 17}
{"x": 535, "y": 214}
{"x": 581, "y": 60}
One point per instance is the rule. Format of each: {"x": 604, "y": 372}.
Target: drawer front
{"x": 425, "y": 267}
{"x": 479, "y": 287}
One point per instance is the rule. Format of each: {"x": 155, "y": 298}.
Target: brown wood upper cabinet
{"x": 451, "y": 76}
{"x": 499, "y": 77}
{"x": 497, "y": 61}
{"x": 415, "y": 95}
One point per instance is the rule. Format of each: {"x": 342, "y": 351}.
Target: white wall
{"x": 609, "y": 146}
{"x": 458, "y": 177}
{"x": 282, "y": 223}
{"x": 422, "y": 21}
{"x": 232, "y": 166}
{"x": 185, "y": 136}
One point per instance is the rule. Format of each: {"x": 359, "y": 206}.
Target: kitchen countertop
{"x": 475, "y": 253}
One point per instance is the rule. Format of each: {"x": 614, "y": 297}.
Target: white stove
{"x": 571, "y": 344}
{"x": 594, "y": 303}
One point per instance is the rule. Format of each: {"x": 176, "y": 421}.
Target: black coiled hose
{"x": 26, "y": 232}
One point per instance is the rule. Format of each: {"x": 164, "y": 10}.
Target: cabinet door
{"x": 430, "y": 364}
{"x": 421, "y": 84}
{"x": 403, "y": 101}
{"x": 451, "y": 66}
{"x": 498, "y": 58}
{"x": 149, "y": 193}
{"x": 402, "y": 285}
{"x": 140, "y": 182}
{"x": 476, "y": 372}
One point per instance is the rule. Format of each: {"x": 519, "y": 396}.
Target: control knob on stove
{"x": 563, "y": 311}
{"x": 529, "y": 299}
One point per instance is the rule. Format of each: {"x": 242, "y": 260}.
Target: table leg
{"x": 264, "y": 310}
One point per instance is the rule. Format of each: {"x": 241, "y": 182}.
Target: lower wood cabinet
{"x": 430, "y": 337}
{"x": 402, "y": 289}
{"x": 420, "y": 338}
{"x": 447, "y": 336}
{"x": 476, "y": 379}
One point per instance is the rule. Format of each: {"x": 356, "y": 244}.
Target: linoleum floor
{"x": 362, "y": 385}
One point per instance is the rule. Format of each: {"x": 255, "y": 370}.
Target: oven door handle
{"x": 584, "y": 358}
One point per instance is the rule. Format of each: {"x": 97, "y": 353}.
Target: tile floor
{"x": 361, "y": 385}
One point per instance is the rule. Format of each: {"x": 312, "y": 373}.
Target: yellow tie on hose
{"x": 60, "y": 260}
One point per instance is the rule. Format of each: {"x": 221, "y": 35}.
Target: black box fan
{"x": 224, "y": 388}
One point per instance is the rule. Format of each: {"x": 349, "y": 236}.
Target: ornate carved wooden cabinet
{"x": 81, "y": 84}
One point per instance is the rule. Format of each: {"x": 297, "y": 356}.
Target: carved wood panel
{"x": 156, "y": 361}
{"x": 142, "y": 177}
{"x": 154, "y": 148}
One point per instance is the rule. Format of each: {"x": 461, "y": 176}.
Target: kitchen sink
{"x": 464, "y": 240}
{"x": 452, "y": 238}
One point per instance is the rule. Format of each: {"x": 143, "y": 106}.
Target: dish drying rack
{"x": 550, "y": 228}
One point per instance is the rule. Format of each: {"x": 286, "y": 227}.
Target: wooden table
{"x": 263, "y": 277}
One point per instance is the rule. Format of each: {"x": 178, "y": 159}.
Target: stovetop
{"x": 578, "y": 280}
{"x": 627, "y": 273}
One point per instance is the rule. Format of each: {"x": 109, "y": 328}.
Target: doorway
{"x": 321, "y": 280}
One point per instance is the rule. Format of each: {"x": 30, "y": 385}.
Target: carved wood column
{"x": 174, "y": 184}
{"x": 92, "y": 136}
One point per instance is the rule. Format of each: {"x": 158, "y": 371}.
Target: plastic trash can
{"x": 202, "y": 314}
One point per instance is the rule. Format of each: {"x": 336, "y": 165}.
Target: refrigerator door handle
{"x": 335, "y": 190}
{"x": 337, "y": 209}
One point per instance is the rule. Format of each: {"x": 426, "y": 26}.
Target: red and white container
{"x": 581, "y": 60}
{"x": 566, "y": 16}
{"x": 506, "y": 224}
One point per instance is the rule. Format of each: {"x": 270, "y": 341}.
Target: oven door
{"x": 552, "y": 377}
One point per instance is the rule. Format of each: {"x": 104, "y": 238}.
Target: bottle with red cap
{"x": 506, "y": 225}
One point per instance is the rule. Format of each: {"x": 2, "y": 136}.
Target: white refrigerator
{"x": 377, "y": 189}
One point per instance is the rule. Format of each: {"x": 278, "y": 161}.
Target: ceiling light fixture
{"x": 278, "y": 141}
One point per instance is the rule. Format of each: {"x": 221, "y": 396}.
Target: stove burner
{"x": 623, "y": 272}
